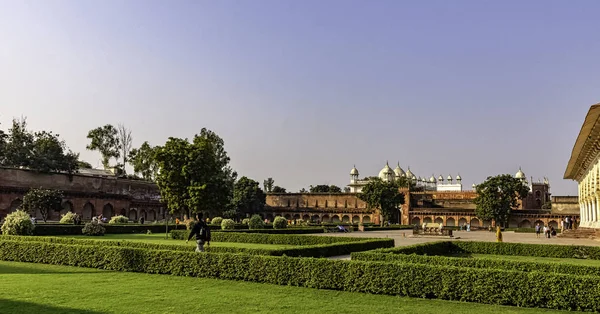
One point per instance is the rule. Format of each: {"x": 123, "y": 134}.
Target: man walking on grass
{"x": 202, "y": 233}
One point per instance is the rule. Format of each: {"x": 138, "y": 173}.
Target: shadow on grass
{"x": 14, "y": 269}
{"x": 17, "y": 307}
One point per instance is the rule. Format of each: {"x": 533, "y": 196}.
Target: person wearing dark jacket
{"x": 202, "y": 233}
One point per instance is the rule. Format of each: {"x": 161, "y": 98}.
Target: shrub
{"x": 490, "y": 286}
{"x": 17, "y": 223}
{"x": 216, "y": 221}
{"x": 93, "y": 229}
{"x": 118, "y": 220}
{"x": 279, "y": 223}
{"x": 68, "y": 218}
{"x": 245, "y": 221}
{"x": 227, "y": 224}
{"x": 256, "y": 222}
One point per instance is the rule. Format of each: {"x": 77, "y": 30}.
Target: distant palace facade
{"x": 435, "y": 200}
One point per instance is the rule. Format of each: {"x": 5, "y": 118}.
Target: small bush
{"x": 68, "y": 218}
{"x": 119, "y": 220}
{"x": 216, "y": 221}
{"x": 256, "y": 222}
{"x": 93, "y": 229}
{"x": 245, "y": 221}
{"x": 279, "y": 223}
{"x": 189, "y": 223}
{"x": 17, "y": 223}
{"x": 148, "y": 232}
{"x": 227, "y": 224}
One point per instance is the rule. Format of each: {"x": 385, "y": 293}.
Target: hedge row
{"x": 545, "y": 267}
{"x": 315, "y": 250}
{"x": 282, "y": 239}
{"x": 277, "y": 231}
{"x": 525, "y": 289}
{"x": 502, "y": 248}
{"x": 62, "y": 229}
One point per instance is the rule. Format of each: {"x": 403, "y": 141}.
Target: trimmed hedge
{"x": 524, "y": 289}
{"x": 182, "y": 234}
{"x": 62, "y": 229}
{"x": 314, "y": 250}
{"x": 282, "y": 239}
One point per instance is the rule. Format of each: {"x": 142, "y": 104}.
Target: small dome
{"x": 458, "y": 178}
{"x": 520, "y": 174}
{"x": 474, "y": 186}
{"x": 399, "y": 172}
{"x": 441, "y": 178}
{"x": 409, "y": 174}
{"x": 449, "y": 178}
{"x": 432, "y": 179}
{"x": 414, "y": 178}
{"x": 354, "y": 171}
{"x": 386, "y": 172}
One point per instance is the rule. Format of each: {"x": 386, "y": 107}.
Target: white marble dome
{"x": 386, "y": 173}
{"x": 399, "y": 172}
{"x": 520, "y": 174}
{"x": 354, "y": 171}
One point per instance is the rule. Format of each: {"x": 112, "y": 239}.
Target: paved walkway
{"x": 405, "y": 237}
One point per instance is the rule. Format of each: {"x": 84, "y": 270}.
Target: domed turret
{"x": 409, "y": 174}
{"x": 354, "y": 171}
{"x": 520, "y": 174}
{"x": 432, "y": 179}
{"x": 449, "y": 178}
{"x": 474, "y": 186}
{"x": 458, "y": 178}
{"x": 399, "y": 172}
{"x": 441, "y": 178}
{"x": 386, "y": 174}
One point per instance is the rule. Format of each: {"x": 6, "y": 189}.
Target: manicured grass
{"x": 49, "y": 289}
{"x": 160, "y": 239}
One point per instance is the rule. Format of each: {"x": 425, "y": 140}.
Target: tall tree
{"x": 19, "y": 144}
{"x": 195, "y": 176}
{"x": 3, "y": 139}
{"x": 323, "y": 188}
{"x": 248, "y": 198}
{"x": 382, "y": 195}
{"x": 105, "y": 140}
{"x": 125, "y": 140}
{"x": 278, "y": 189}
{"x": 497, "y": 196}
{"x": 143, "y": 160}
{"x": 43, "y": 200}
{"x": 268, "y": 184}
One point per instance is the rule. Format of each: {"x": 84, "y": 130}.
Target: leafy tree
{"x": 382, "y": 195}
{"x": 143, "y": 160}
{"x": 346, "y": 189}
{"x": 124, "y": 139}
{"x": 497, "y": 196}
{"x": 43, "y": 200}
{"x": 105, "y": 140}
{"x": 268, "y": 185}
{"x": 322, "y": 188}
{"x": 195, "y": 176}
{"x": 303, "y": 190}
{"x": 278, "y": 189}
{"x": 41, "y": 151}
{"x": 84, "y": 165}
{"x": 248, "y": 198}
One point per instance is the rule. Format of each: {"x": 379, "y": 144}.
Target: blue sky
{"x": 303, "y": 90}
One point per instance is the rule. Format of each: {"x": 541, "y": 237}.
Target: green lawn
{"x": 49, "y": 289}
{"x": 573, "y": 261}
{"x": 160, "y": 239}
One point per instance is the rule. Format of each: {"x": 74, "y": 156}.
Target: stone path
{"x": 404, "y": 238}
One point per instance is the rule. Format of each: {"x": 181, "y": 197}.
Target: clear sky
{"x": 303, "y": 90}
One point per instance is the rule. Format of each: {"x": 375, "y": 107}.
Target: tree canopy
{"x": 268, "y": 185}
{"x": 41, "y": 151}
{"x": 322, "y": 188}
{"x": 143, "y": 160}
{"x": 248, "y": 198}
{"x": 382, "y": 195}
{"x": 497, "y": 196}
{"x": 43, "y": 200}
{"x": 105, "y": 140}
{"x": 195, "y": 176}
{"x": 278, "y": 189}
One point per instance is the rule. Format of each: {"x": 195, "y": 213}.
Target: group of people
{"x": 548, "y": 231}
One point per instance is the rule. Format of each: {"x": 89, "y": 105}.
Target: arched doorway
{"x": 462, "y": 222}
{"x": 14, "y": 205}
{"x": 296, "y": 216}
{"x": 450, "y": 222}
{"x": 123, "y": 212}
{"x": 151, "y": 215}
{"x": 474, "y": 222}
{"x": 306, "y": 218}
{"x": 88, "y": 211}
{"x": 553, "y": 223}
{"x": 513, "y": 223}
{"x": 416, "y": 221}
{"x": 288, "y": 217}
{"x": 366, "y": 219}
{"x": 427, "y": 220}
{"x": 325, "y": 218}
{"x": 439, "y": 220}
{"x": 355, "y": 219}
{"x": 487, "y": 223}
{"x": 107, "y": 211}
{"x": 335, "y": 219}
{"x": 525, "y": 224}
{"x": 133, "y": 214}
{"x": 346, "y": 219}
{"x": 315, "y": 218}
{"x": 66, "y": 207}
{"x": 143, "y": 215}
{"x": 541, "y": 223}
